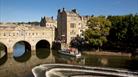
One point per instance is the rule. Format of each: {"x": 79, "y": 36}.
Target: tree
{"x": 118, "y": 31}
{"x": 98, "y": 29}
{"x": 77, "y": 42}
{"x": 124, "y": 32}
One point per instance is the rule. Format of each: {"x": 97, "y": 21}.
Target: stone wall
{"x": 10, "y": 35}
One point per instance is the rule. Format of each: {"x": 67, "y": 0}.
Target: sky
{"x": 33, "y": 10}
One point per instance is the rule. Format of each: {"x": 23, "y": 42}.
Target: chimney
{"x": 52, "y": 17}
{"x": 58, "y": 10}
{"x": 63, "y": 9}
{"x": 74, "y": 10}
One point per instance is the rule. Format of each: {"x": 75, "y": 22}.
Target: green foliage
{"x": 31, "y": 23}
{"x": 98, "y": 29}
{"x": 124, "y": 31}
{"x": 34, "y": 23}
{"x": 118, "y": 32}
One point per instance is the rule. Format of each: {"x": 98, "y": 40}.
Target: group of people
{"x": 72, "y": 50}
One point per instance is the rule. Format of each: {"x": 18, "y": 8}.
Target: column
{"x": 9, "y": 50}
{"x": 33, "y": 48}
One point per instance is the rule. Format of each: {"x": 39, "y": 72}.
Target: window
{"x": 72, "y": 25}
{"x": 72, "y": 32}
{"x": 73, "y": 19}
{"x": 17, "y": 33}
{"x": 81, "y": 30}
{"x": 36, "y": 33}
{"x": 79, "y": 23}
{"x": 43, "y": 33}
{"x": 72, "y": 38}
{"x": 4, "y": 34}
{"x": 13, "y": 34}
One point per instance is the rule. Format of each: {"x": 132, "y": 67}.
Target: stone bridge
{"x": 10, "y": 35}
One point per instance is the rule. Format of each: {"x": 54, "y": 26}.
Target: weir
{"x": 66, "y": 70}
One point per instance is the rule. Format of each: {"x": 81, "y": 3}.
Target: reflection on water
{"x": 104, "y": 61}
{"x": 3, "y": 58}
{"x": 42, "y": 53}
{"x": 24, "y": 57}
{"x": 3, "y": 54}
{"x": 60, "y": 58}
{"x": 44, "y": 56}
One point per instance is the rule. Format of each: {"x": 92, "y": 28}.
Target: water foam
{"x": 66, "y": 70}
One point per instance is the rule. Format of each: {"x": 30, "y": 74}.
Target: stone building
{"x": 70, "y": 24}
{"x": 10, "y": 35}
{"x": 48, "y": 22}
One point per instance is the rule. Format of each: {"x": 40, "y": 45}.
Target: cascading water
{"x": 66, "y": 70}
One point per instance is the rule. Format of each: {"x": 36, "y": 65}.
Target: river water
{"x": 17, "y": 65}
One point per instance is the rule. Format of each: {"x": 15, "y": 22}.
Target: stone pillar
{"x": 50, "y": 45}
{"x": 9, "y": 50}
{"x": 33, "y": 48}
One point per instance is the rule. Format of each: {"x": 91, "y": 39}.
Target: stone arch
{"x": 3, "y": 46}
{"x": 42, "y": 49}
{"x": 24, "y": 55}
{"x": 28, "y": 45}
{"x": 3, "y": 53}
{"x": 43, "y": 43}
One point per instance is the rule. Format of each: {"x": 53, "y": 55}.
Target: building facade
{"x": 70, "y": 24}
{"x": 48, "y": 22}
{"x": 10, "y": 35}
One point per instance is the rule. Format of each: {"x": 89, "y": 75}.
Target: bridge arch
{"x": 3, "y": 49}
{"x": 26, "y": 43}
{"x": 42, "y": 44}
{"x": 21, "y": 50}
{"x": 42, "y": 49}
{"x": 3, "y": 53}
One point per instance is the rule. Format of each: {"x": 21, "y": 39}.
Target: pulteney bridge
{"x": 32, "y": 36}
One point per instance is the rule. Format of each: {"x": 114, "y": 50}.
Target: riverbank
{"x": 108, "y": 53}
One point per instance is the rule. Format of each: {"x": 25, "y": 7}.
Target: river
{"x": 15, "y": 65}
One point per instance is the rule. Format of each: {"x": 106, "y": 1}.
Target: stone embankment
{"x": 107, "y": 53}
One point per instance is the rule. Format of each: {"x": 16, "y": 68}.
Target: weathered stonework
{"x": 70, "y": 24}
{"x": 48, "y": 22}
{"x": 10, "y": 35}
